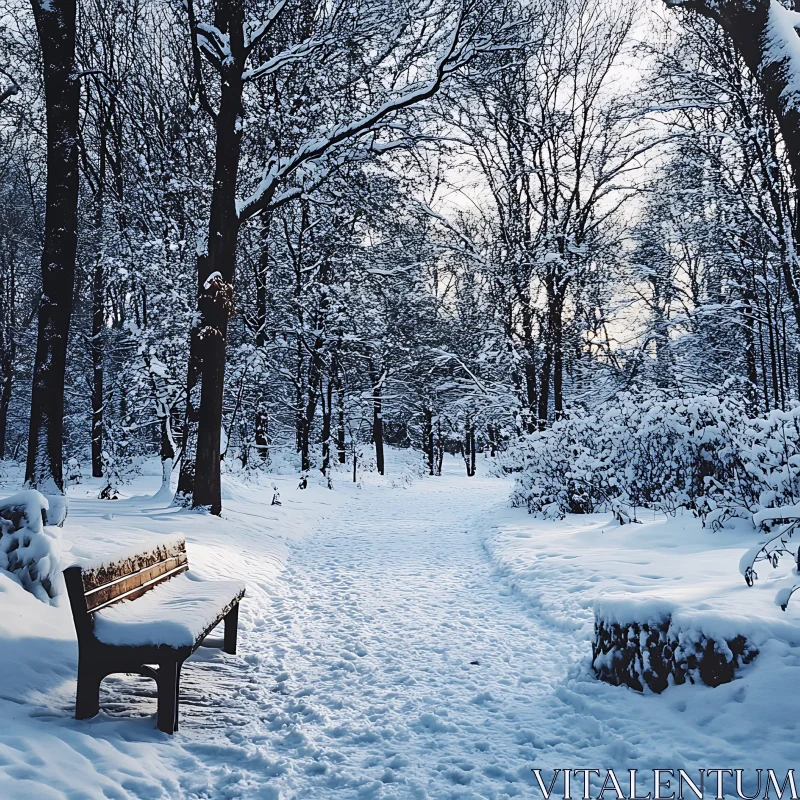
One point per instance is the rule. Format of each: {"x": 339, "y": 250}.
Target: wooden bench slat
{"x": 108, "y": 591}
{"x": 136, "y": 585}
{"x": 97, "y": 577}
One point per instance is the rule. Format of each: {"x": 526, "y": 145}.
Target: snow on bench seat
{"x": 175, "y": 613}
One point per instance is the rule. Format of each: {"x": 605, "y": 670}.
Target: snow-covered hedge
{"x": 28, "y": 550}
{"x": 643, "y": 645}
{"x": 656, "y": 450}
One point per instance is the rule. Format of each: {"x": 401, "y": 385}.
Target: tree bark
{"x": 427, "y": 438}
{"x": 340, "y": 445}
{"x": 8, "y": 346}
{"x": 98, "y": 325}
{"x": 472, "y": 450}
{"x": 200, "y": 467}
{"x": 327, "y": 411}
{"x": 262, "y": 270}
{"x": 531, "y": 390}
{"x": 377, "y": 425}
{"x": 55, "y": 24}
{"x": 262, "y": 431}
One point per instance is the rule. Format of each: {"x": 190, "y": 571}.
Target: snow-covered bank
{"x": 663, "y": 566}
{"x": 663, "y": 601}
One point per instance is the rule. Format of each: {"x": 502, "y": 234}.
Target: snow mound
{"x": 29, "y": 551}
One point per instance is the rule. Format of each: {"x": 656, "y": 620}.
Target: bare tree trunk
{"x": 327, "y": 412}
{"x": 8, "y": 347}
{"x": 98, "y": 325}
{"x": 98, "y": 318}
{"x": 544, "y": 384}
{"x": 439, "y": 447}
{"x": 307, "y": 422}
{"x": 763, "y": 367}
{"x": 750, "y": 360}
{"x": 531, "y": 390}
{"x": 55, "y": 23}
{"x": 262, "y": 270}
{"x": 340, "y": 445}
{"x": 427, "y": 438}
{"x": 377, "y": 426}
{"x": 200, "y": 466}
{"x": 261, "y": 432}
{"x": 558, "y": 356}
{"x": 469, "y": 441}
{"x": 472, "y": 450}
{"x": 5, "y": 401}
{"x": 167, "y": 452}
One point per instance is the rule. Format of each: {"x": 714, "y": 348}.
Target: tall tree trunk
{"x": 531, "y": 392}
{"x": 439, "y": 447}
{"x": 299, "y": 399}
{"x": 98, "y": 326}
{"x": 764, "y": 388}
{"x": 98, "y": 315}
{"x": 469, "y": 443}
{"x": 772, "y": 347}
{"x": 544, "y": 384}
{"x": 5, "y": 402}
{"x": 750, "y": 359}
{"x": 340, "y": 445}
{"x": 307, "y": 420}
{"x": 427, "y": 438}
{"x": 261, "y": 431}
{"x": 377, "y": 424}
{"x": 167, "y": 451}
{"x": 55, "y": 23}
{"x": 558, "y": 356}
{"x": 262, "y": 271}
{"x": 327, "y": 411}
{"x": 8, "y": 347}
{"x": 200, "y": 467}
{"x": 472, "y": 450}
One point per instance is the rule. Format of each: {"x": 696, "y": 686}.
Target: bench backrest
{"x": 127, "y": 578}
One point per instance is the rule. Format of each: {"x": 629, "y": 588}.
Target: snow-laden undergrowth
{"x": 29, "y": 551}
{"x": 654, "y": 450}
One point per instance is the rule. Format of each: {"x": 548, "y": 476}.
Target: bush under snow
{"x": 29, "y": 551}
{"x": 656, "y": 450}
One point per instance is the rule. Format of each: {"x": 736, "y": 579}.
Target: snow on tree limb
{"x": 457, "y": 53}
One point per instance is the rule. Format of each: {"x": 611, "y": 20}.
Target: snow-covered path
{"x": 403, "y": 666}
{"x": 391, "y": 658}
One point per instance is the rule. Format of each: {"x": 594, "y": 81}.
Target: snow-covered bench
{"x": 143, "y": 613}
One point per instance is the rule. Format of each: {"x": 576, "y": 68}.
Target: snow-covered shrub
{"x": 640, "y": 644}
{"x": 766, "y": 473}
{"x": 656, "y": 450}
{"x": 28, "y": 550}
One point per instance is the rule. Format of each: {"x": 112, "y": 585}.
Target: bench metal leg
{"x": 168, "y": 696}
{"x": 87, "y": 702}
{"x": 231, "y": 628}
{"x": 178, "y": 694}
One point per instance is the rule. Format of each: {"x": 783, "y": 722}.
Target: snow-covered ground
{"x": 411, "y": 640}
